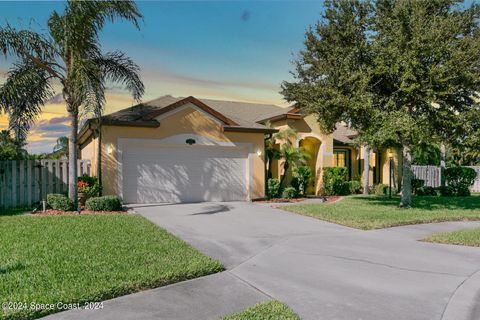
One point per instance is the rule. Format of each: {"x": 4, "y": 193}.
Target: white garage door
{"x": 153, "y": 173}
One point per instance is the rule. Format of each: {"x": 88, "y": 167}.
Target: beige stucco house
{"x": 187, "y": 149}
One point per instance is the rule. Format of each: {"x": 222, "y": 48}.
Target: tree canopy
{"x": 400, "y": 72}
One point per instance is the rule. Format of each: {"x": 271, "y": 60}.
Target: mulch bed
{"x": 280, "y": 200}
{"x": 331, "y": 199}
{"x": 328, "y": 199}
{"x": 60, "y": 213}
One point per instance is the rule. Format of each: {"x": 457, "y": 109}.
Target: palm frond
{"x": 23, "y": 94}
{"x": 117, "y": 67}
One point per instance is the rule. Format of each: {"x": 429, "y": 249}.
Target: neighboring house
{"x": 187, "y": 149}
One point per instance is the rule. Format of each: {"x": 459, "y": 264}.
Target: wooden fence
{"x": 433, "y": 176}
{"x": 23, "y": 183}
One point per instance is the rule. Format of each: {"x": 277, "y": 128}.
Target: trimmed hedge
{"x": 59, "y": 202}
{"x": 105, "y": 203}
{"x": 426, "y": 191}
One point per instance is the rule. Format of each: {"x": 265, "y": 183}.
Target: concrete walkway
{"x": 321, "y": 270}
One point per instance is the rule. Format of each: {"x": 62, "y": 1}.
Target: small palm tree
{"x": 70, "y": 55}
{"x": 292, "y": 156}
{"x": 271, "y": 152}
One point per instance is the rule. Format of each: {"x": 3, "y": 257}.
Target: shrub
{"x": 89, "y": 185}
{"x": 463, "y": 192}
{"x": 355, "y": 186}
{"x": 273, "y": 188}
{"x": 381, "y": 189}
{"x": 460, "y": 179}
{"x": 335, "y": 181}
{"x": 302, "y": 176}
{"x": 446, "y": 191}
{"x": 59, "y": 202}
{"x": 426, "y": 191}
{"x": 289, "y": 193}
{"x": 416, "y": 184}
{"x": 105, "y": 203}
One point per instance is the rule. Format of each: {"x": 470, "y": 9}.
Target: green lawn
{"x": 271, "y": 310}
{"x": 466, "y": 237}
{"x": 372, "y": 212}
{"x": 70, "y": 259}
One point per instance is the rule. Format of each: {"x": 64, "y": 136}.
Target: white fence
{"x": 433, "y": 176}
{"x": 26, "y": 182}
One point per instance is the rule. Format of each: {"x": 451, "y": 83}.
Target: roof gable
{"x": 194, "y": 101}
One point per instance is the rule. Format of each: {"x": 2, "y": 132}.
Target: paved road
{"x": 321, "y": 270}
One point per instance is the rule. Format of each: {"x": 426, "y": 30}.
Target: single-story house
{"x": 186, "y": 149}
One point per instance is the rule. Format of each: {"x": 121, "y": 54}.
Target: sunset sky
{"x": 222, "y": 50}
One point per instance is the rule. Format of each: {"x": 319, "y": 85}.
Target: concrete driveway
{"x": 321, "y": 270}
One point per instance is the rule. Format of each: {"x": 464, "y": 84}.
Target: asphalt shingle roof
{"x": 245, "y": 114}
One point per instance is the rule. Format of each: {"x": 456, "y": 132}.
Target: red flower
{"x": 82, "y": 184}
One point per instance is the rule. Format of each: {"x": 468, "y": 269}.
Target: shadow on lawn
{"x": 425, "y": 203}
{"x": 13, "y": 212}
{"x": 10, "y": 268}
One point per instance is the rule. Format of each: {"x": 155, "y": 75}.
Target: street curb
{"x": 463, "y": 303}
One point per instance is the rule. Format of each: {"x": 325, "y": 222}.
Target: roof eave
{"x": 248, "y": 129}
{"x": 285, "y": 116}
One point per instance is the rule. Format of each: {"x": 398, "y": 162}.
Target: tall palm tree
{"x": 68, "y": 55}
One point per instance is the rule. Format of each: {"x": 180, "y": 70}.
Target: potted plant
{"x": 82, "y": 192}
{"x": 87, "y": 187}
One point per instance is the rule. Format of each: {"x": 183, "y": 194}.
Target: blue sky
{"x": 238, "y": 50}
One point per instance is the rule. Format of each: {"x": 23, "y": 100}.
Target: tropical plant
{"x": 285, "y": 136}
{"x": 304, "y": 175}
{"x": 291, "y": 156}
{"x": 69, "y": 55}
{"x": 399, "y": 72}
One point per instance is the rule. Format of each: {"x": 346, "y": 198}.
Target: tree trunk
{"x": 72, "y": 160}
{"x": 406, "y": 199}
{"x": 366, "y": 169}
{"x": 442, "y": 164}
{"x": 99, "y": 157}
{"x": 286, "y": 165}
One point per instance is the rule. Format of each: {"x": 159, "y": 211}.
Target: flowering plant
{"x": 82, "y": 185}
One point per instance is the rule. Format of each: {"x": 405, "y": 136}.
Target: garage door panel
{"x": 184, "y": 174}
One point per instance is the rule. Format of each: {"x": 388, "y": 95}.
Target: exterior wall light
{"x": 109, "y": 149}
{"x": 259, "y": 152}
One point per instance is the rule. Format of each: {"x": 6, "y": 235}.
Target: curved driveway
{"x": 321, "y": 270}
